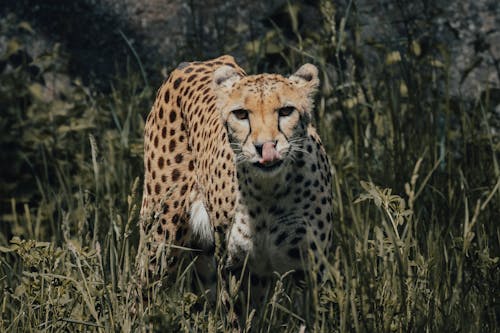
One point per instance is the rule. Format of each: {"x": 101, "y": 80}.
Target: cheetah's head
{"x": 266, "y": 115}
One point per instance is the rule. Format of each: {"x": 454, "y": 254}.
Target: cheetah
{"x": 237, "y": 156}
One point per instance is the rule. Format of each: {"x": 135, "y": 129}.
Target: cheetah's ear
{"x": 306, "y": 76}
{"x": 225, "y": 77}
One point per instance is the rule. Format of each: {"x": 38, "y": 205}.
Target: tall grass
{"x": 416, "y": 244}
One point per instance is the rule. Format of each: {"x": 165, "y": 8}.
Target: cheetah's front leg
{"x": 240, "y": 242}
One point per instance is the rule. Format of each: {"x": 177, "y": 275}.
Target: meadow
{"x": 416, "y": 184}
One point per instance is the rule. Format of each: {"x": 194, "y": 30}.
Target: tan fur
{"x": 197, "y": 150}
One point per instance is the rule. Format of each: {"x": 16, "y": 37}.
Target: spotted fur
{"x": 237, "y": 154}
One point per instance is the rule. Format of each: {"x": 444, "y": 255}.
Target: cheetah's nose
{"x": 268, "y": 152}
{"x": 258, "y": 148}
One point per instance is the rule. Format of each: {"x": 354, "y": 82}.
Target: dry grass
{"x": 416, "y": 244}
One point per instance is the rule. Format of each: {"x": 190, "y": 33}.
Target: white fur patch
{"x": 200, "y": 223}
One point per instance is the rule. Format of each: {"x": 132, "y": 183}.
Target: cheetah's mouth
{"x": 268, "y": 167}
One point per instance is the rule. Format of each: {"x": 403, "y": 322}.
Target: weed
{"x": 416, "y": 187}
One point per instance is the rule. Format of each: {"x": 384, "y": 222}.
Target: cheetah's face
{"x": 266, "y": 116}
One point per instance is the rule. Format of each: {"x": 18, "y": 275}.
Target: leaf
{"x": 12, "y": 47}
{"x": 7, "y": 249}
{"x": 415, "y": 48}
{"x": 393, "y": 57}
{"x": 37, "y": 91}
{"x": 25, "y": 26}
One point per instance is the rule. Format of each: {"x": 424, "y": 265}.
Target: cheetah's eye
{"x": 241, "y": 114}
{"x": 285, "y": 111}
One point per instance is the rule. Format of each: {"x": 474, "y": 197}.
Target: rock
{"x": 101, "y": 35}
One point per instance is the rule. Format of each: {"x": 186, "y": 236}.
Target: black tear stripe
{"x": 305, "y": 119}
{"x": 231, "y": 137}
{"x": 279, "y": 129}
{"x": 248, "y": 135}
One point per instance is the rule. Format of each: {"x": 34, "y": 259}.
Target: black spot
{"x": 175, "y": 175}
{"x": 179, "y": 234}
{"x": 171, "y": 145}
{"x": 294, "y": 253}
{"x": 172, "y": 116}
{"x": 160, "y": 113}
{"x": 161, "y": 161}
{"x": 175, "y": 218}
{"x": 317, "y": 210}
{"x": 329, "y": 217}
{"x": 177, "y": 83}
{"x": 280, "y": 239}
{"x": 184, "y": 189}
{"x": 299, "y": 178}
{"x": 191, "y": 78}
{"x": 178, "y": 158}
{"x": 300, "y": 230}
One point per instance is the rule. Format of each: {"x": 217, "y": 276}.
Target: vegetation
{"x": 417, "y": 188}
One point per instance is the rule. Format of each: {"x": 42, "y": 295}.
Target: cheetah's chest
{"x": 267, "y": 230}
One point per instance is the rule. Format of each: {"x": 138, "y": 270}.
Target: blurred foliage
{"x": 47, "y": 122}
{"x": 417, "y": 183}
{"x": 388, "y": 112}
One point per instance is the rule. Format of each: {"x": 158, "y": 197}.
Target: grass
{"x": 417, "y": 239}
